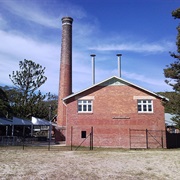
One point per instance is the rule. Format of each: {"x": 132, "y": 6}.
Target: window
{"x": 85, "y": 106}
{"x": 83, "y": 134}
{"x": 145, "y": 106}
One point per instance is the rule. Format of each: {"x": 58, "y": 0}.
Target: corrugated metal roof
{"x": 18, "y": 121}
{"x": 23, "y": 122}
{"x": 40, "y": 122}
{"x": 4, "y": 121}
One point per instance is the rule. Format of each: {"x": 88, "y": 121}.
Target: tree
{"x": 14, "y": 97}
{"x": 27, "y": 81}
{"x": 38, "y": 105}
{"x": 46, "y": 108}
{"x": 173, "y": 105}
{"x": 29, "y": 78}
{"x": 5, "y": 109}
{"x": 172, "y": 72}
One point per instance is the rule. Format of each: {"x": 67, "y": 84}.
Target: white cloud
{"x": 139, "y": 47}
{"x": 32, "y": 11}
{"x": 154, "y": 84}
{"x": 143, "y": 78}
{"x": 16, "y": 48}
{"x": 3, "y": 23}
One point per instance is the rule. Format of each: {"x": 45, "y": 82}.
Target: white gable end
{"x": 113, "y": 82}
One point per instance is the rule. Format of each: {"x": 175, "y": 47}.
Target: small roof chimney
{"x": 93, "y": 68}
{"x": 119, "y": 64}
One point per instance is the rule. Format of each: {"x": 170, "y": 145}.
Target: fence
{"x": 24, "y": 141}
{"x": 147, "y": 138}
{"x": 117, "y": 137}
{"x": 86, "y": 138}
{"x": 101, "y": 136}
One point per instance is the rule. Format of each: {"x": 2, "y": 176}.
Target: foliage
{"x": 173, "y": 105}
{"x": 38, "y": 105}
{"x": 172, "y": 73}
{"x": 5, "y": 109}
{"x": 25, "y": 98}
{"x": 28, "y": 79}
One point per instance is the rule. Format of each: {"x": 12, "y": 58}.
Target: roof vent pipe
{"x": 93, "y": 68}
{"x": 119, "y": 64}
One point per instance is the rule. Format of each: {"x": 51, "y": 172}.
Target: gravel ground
{"x": 35, "y": 164}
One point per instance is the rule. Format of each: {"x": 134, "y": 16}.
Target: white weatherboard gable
{"x": 113, "y": 82}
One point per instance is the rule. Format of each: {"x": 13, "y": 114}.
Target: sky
{"x": 143, "y": 31}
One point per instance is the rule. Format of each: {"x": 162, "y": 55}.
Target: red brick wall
{"x": 110, "y": 102}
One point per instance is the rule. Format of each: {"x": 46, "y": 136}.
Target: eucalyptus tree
{"x": 172, "y": 72}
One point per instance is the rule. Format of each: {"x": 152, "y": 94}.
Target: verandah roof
{"x": 23, "y": 122}
{"x": 5, "y": 122}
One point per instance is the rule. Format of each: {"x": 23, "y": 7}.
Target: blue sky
{"x": 143, "y": 31}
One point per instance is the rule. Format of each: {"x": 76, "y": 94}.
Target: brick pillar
{"x": 65, "y": 84}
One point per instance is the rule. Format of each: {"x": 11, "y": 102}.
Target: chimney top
{"x": 92, "y": 55}
{"x": 118, "y": 54}
{"x": 67, "y": 20}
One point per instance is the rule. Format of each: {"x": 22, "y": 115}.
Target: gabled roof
{"x": 114, "y": 80}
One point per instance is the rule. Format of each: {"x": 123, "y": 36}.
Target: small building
{"x": 113, "y": 107}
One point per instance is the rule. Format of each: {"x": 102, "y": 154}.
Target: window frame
{"x": 84, "y": 104}
{"x": 144, "y": 105}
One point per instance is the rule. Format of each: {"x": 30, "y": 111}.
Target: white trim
{"x": 84, "y": 98}
{"x": 143, "y": 97}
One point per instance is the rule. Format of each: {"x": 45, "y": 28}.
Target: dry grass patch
{"x": 98, "y": 164}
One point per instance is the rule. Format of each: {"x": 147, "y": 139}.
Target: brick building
{"x": 112, "y": 107}
{"x": 121, "y": 114}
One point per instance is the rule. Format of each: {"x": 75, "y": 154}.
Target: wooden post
{"x": 162, "y": 138}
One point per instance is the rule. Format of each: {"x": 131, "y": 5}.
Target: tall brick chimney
{"x": 65, "y": 84}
